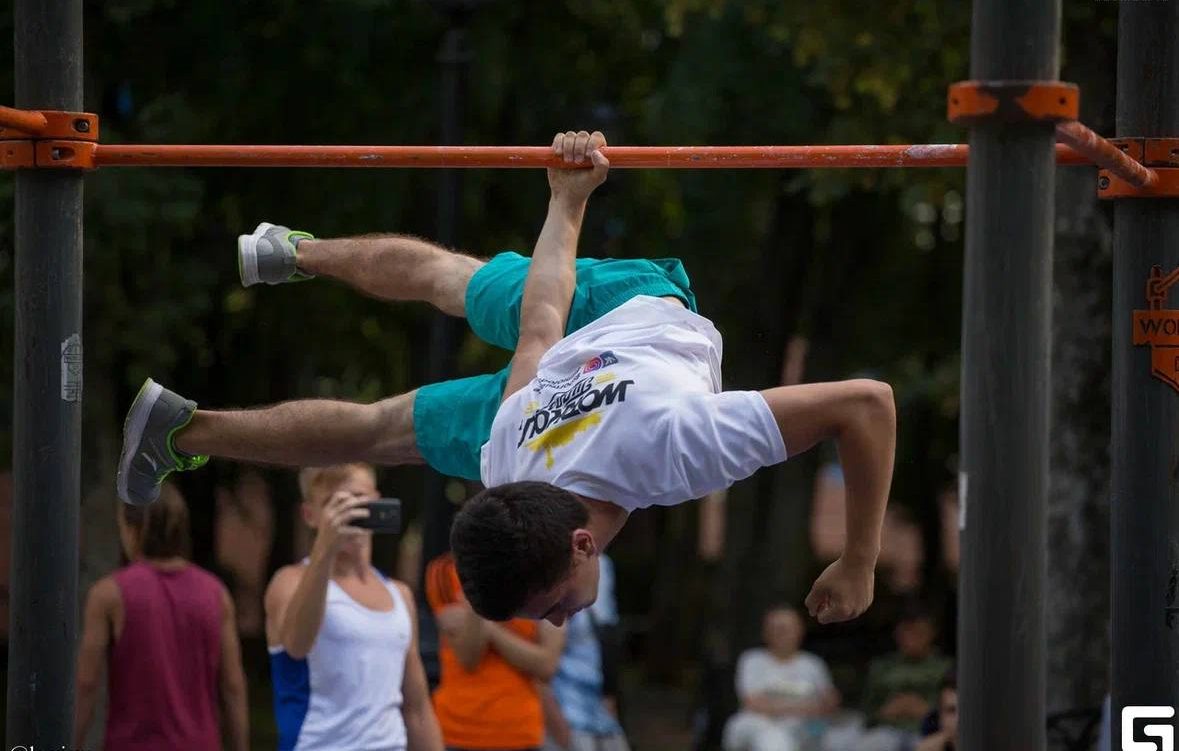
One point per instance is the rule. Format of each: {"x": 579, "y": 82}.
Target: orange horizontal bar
{"x": 1105, "y": 154}
{"x": 672, "y": 157}
{"x": 24, "y": 120}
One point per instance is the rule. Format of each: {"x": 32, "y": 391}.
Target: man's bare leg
{"x": 311, "y": 432}
{"x": 165, "y": 433}
{"x": 394, "y": 267}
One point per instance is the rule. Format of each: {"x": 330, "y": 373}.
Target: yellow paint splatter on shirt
{"x": 562, "y": 435}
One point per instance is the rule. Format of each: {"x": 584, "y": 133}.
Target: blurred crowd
{"x": 161, "y": 640}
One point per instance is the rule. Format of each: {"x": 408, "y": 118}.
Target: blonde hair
{"x": 161, "y": 528}
{"x": 316, "y": 480}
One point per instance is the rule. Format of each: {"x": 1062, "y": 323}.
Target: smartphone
{"x": 384, "y": 516}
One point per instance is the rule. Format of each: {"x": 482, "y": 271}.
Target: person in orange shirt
{"x": 488, "y": 697}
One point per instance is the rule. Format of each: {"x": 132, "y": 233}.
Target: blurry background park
{"x": 809, "y": 276}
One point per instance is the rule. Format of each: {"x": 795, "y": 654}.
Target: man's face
{"x": 782, "y": 631}
{"x": 575, "y": 592}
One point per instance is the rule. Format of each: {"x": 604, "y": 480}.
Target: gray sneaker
{"x": 268, "y": 255}
{"x": 148, "y": 455}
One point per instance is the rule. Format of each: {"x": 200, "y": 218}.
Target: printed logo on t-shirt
{"x": 573, "y": 409}
{"x": 597, "y": 362}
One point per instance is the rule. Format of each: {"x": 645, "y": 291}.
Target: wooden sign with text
{"x": 1159, "y": 327}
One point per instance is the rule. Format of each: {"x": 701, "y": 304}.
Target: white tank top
{"x": 346, "y": 694}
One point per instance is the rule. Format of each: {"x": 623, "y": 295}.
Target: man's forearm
{"x": 548, "y": 289}
{"x": 867, "y": 445}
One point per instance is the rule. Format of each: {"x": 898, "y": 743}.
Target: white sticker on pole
{"x": 963, "y": 486}
{"x": 71, "y": 369}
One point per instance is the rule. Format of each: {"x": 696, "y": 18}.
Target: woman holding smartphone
{"x": 343, "y": 638}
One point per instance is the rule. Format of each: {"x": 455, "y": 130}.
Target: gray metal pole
{"x": 454, "y": 61}
{"x": 47, "y": 393}
{"x": 1144, "y": 513}
{"x": 1006, "y": 314}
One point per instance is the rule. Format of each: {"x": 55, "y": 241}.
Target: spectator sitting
{"x": 164, "y": 631}
{"x": 780, "y": 688}
{"x": 900, "y": 690}
{"x": 584, "y": 715}
{"x": 945, "y": 737}
{"x": 488, "y": 698}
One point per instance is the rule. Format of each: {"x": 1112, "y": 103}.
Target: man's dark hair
{"x": 513, "y": 541}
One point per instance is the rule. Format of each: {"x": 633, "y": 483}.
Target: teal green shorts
{"x": 452, "y": 419}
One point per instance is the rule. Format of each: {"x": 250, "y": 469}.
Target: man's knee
{"x": 391, "y": 423}
{"x": 450, "y": 278}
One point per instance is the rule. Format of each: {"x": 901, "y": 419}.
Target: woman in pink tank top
{"x": 164, "y": 631}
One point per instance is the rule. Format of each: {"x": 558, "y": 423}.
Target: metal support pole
{"x": 454, "y": 59}
{"x": 47, "y": 393}
{"x": 1006, "y": 315}
{"x": 1144, "y": 513}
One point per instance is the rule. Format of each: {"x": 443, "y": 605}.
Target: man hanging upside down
{"x": 612, "y": 402}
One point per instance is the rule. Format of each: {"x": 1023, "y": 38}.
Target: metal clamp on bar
{"x": 1159, "y": 156}
{"x": 65, "y": 154}
{"x": 972, "y": 102}
{"x": 15, "y": 125}
{"x": 47, "y": 138}
{"x": 17, "y": 154}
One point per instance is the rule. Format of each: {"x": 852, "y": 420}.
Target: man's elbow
{"x": 874, "y": 400}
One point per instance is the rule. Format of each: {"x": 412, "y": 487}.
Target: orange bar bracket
{"x": 1160, "y": 157}
{"x": 65, "y": 154}
{"x": 77, "y": 126}
{"x": 972, "y": 102}
{"x": 48, "y": 138}
{"x": 1105, "y": 154}
{"x": 17, "y": 155}
{"x": 656, "y": 157}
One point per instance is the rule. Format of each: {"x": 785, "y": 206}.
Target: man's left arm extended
{"x": 548, "y": 288}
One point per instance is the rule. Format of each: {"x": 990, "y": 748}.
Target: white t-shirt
{"x": 628, "y": 409}
{"x": 801, "y": 677}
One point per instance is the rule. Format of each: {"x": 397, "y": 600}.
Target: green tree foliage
{"x": 867, "y": 264}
